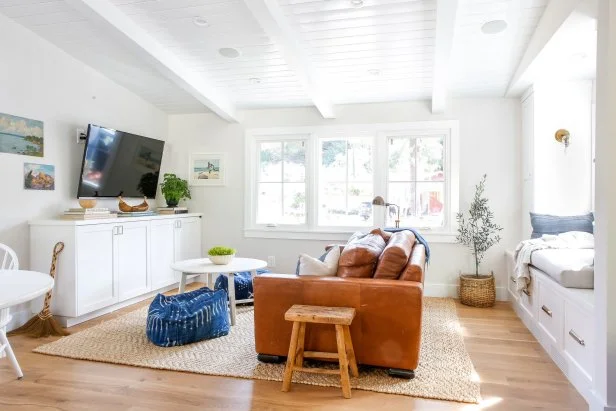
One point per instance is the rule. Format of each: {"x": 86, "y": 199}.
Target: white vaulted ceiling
{"x": 291, "y": 52}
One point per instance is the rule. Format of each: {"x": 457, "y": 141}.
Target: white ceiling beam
{"x": 122, "y": 27}
{"x": 554, "y": 16}
{"x": 271, "y": 17}
{"x": 446, "y": 13}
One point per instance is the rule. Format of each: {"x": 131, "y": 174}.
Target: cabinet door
{"x": 97, "y": 285}
{"x": 162, "y": 252}
{"x": 131, "y": 257}
{"x": 188, "y": 238}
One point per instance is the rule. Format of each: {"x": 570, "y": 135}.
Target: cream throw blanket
{"x": 524, "y": 251}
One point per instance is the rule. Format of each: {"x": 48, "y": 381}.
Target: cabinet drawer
{"x": 578, "y": 337}
{"x": 550, "y": 307}
{"x": 527, "y": 298}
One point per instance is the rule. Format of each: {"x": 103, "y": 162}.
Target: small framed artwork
{"x": 39, "y": 176}
{"x": 207, "y": 169}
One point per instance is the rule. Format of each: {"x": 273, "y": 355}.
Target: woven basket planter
{"x": 477, "y": 291}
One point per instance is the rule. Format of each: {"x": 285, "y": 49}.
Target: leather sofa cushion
{"x": 360, "y": 257}
{"x": 396, "y": 255}
{"x": 414, "y": 270}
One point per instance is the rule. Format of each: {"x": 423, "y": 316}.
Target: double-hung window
{"x": 319, "y": 182}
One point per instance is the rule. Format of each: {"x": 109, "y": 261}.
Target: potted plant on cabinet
{"x": 478, "y": 232}
{"x": 174, "y": 189}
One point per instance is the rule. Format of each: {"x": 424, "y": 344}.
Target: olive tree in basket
{"x": 479, "y": 233}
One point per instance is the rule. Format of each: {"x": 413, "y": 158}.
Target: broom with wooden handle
{"x": 43, "y": 324}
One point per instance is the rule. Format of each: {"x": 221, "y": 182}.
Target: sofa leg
{"x": 274, "y": 359}
{"x": 399, "y": 373}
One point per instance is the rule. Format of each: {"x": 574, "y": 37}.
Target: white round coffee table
{"x": 16, "y": 287}
{"x": 201, "y": 266}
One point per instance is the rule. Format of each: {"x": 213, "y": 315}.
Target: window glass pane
{"x": 333, "y": 160}
{"x": 270, "y": 164}
{"x": 269, "y": 206}
{"x": 401, "y": 159}
{"x": 360, "y": 159}
{"x": 294, "y": 203}
{"x": 431, "y": 159}
{"x": 294, "y": 161}
{"x": 360, "y": 197}
{"x": 421, "y": 204}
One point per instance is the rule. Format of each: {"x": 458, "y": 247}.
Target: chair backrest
{"x": 8, "y": 258}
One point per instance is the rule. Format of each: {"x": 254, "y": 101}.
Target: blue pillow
{"x": 553, "y": 224}
{"x": 243, "y": 283}
{"x": 186, "y": 318}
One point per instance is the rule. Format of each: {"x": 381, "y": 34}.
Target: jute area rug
{"x": 445, "y": 371}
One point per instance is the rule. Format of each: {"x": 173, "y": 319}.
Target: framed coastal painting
{"x": 39, "y": 176}
{"x": 20, "y": 135}
{"x": 207, "y": 169}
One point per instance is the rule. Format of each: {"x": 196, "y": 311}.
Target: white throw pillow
{"x": 313, "y": 266}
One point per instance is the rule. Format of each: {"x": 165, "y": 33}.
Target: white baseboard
{"x": 18, "y": 319}
{"x": 452, "y": 291}
{"x": 597, "y": 403}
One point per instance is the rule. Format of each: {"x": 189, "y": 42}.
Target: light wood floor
{"x": 516, "y": 374}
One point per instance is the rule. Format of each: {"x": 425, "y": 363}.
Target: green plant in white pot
{"x": 479, "y": 233}
{"x": 221, "y": 255}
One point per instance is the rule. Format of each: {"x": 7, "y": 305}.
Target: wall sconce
{"x": 563, "y": 136}
{"x": 379, "y": 201}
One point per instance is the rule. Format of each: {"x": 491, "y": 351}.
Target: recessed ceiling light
{"x": 374, "y": 72}
{"x": 579, "y": 56}
{"x": 357, "y": 3}
{"x": 254, "y": 80}
{"x": 200, "y": 21}
{"x": 229, "y": 52}
{"x": 494, "y": 27}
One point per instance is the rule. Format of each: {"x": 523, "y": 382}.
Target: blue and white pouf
{"x": 243, "y": 284}
{"x": 187, "y": 318}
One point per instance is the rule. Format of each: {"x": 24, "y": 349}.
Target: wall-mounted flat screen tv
{"x": 116, "y": 163}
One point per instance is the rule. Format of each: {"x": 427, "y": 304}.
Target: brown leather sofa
{"x": 386, "y": 331}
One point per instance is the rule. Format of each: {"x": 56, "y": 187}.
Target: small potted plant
{"x": 478, "y": 232}
{"x": 174, "y": 189}
{"x": 221, "y": 255}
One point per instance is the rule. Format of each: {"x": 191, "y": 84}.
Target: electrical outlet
{"x": 271, "y": 261}
{"x": 81, "y": 135}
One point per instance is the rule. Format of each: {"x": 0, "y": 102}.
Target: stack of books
{"x": 88, "y": 214}
{"x": 136, "y": 213}
{"x": 172, "y": 210}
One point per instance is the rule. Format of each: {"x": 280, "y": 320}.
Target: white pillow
{"x": 313, "y": 266}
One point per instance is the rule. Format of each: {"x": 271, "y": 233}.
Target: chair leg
{"x": 345, "y": 381}
{"x": 10, "y": 354}
{"x": 288, "y": 370}
{"x": 350, "y": 351}
{"x": 300, "y": 345}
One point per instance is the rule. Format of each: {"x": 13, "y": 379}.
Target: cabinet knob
{"x": 576, "y": 338}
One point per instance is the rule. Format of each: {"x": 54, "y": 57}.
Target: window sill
{"x": 338, "y": 236}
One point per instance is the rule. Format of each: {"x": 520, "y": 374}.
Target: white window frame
{"x": 381, "y": 133}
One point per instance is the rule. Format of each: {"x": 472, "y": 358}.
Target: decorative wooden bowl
{"x": 87, "y": 202}
{"x": 127, "y": 208}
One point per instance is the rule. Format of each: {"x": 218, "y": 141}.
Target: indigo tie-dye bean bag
{"x": 186, "y": 318}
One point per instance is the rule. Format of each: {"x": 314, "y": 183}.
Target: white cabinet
{"x": 96, "y": 281}
{"x": 110, "y": 263}
{"x": 130, "y": 256}
{"x": 162, "y": 250}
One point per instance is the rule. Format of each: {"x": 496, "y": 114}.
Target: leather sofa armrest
{"x": 415, "y": 269}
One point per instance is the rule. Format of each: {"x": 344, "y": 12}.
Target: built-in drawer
{"x": 527, "y": 298}
{"x": 578, "y": 343}
{"x": 550, "y": 308}
{"x": 511, "y": 282}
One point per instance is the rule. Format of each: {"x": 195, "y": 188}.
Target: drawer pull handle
{"x": 512, "y": 279}
{"x": 525, "y": 291}
{"x": 576, "y": 338}
{"x": 546, "y": 310}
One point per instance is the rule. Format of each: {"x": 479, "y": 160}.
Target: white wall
{"x": 489, "y": 134}
{"x": 39, "y": 81}
{"x": 563, "y": 179}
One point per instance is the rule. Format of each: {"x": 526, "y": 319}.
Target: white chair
{"x": 8, "y": 261}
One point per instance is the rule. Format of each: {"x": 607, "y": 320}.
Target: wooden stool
{"x": 341, "y": 317}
